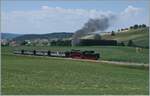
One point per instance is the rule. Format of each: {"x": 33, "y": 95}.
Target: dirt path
{"x": 101, "y": 61}
{"x": 115, "y": 62}
{"x": 108, "y": 62}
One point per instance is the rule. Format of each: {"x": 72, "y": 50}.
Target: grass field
{"x": 43, "y": 75}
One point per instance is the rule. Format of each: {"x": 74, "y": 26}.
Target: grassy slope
{"x": 112, "y": 53}
{"x": 139, "y": 36}
{"x": 40, "y": 75}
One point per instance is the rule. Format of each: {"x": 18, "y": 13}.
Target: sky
{"x": 47, "y": 16}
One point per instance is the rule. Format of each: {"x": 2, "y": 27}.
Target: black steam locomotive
{"x": 68, "y": 54}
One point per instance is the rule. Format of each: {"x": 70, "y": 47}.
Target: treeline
{"x": 61, "y": 43}
{"x": 49, "y": 36}
{"x": 136, "y": 26}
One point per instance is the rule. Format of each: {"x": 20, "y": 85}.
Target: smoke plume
{"x": 97, "y": 24}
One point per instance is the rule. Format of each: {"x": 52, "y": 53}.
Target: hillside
{"x": 9, "y": 36}
{"x": 49, "y": 36}
{"x": 140, "y": 36}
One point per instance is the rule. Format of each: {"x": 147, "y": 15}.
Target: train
{"x": 77, "y": 54}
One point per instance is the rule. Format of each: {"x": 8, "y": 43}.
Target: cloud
{"x": 44, "y": 7}
{"x": 54, "y": 19}
{"x": 48, "y": 19}
{"x": 92, "y": 13}
{"x": 130, "y": 11}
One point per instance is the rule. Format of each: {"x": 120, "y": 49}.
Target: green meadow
{"x": 44, "y": 75}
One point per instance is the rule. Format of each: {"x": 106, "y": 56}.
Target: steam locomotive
{"x": 77, "y": 54}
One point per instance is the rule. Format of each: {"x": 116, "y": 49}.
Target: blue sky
{"x": 37, "y": 16}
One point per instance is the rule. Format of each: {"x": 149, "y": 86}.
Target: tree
{"x": 118, "y": 30}
{"x": 53, "y": 43}
{"x": 23, "y": 43}
{"x": 130, "y": 43}
{"x": 140, "y": 26}
{"x": 131, "y": 27}
{"x": 122, "y": 29}
{"x": 135, "y": 26}
{"x": 97, "y": 37}
{"x": 112, "y": 33}
{"x": 122, "y": 43}
{"x": 143, "y": 25}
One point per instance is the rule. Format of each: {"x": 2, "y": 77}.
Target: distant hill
{"x": 49, "y": 36}
{"x": 9, "y": 36}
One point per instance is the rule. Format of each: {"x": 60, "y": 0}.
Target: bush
{"x": 131, "y": 27}
{"x": 97, "y": 37}
{"x": 130, "y": 43}
{"x": 112, "y": 33}
{"x": 143, "y": 25}
{"x": 121, "y": 44}
{"x": 136, "y": 26}
{"x": 61, "y": 43}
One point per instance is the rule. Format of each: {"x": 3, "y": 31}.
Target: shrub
{"x": 130, "y": 43}
{"x": 121, "y": 44}
{"x": 97, "y": 37}
{"x": 112, "y": 33}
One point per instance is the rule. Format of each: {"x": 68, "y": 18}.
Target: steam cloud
{"x": 97, "y": 24}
